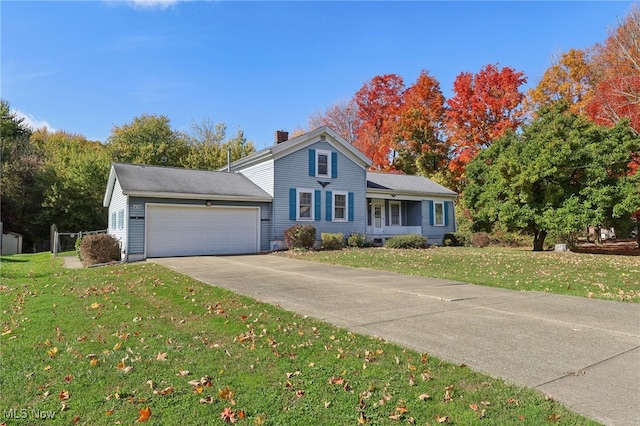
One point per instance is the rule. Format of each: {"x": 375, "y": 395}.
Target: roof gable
{"x": 408, "y": 184}
{"x": 173, "y": 182}
{"x": 324, "y": 133}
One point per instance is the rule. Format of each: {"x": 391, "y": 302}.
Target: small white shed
{"x": 11, "y": 243}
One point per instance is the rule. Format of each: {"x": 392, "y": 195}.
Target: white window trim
{"x": 346, "y": 206}
{"x": 399, "y": 204}
{"x": 114, "y": 220}
{"x": 312, "y": 215}
{"x": 320, "y": 152}
{"x": 435, "y": 218}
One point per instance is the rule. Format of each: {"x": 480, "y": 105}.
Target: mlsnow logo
{"x": 23, "y": 413}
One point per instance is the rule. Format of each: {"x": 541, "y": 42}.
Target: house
{"x": 317, "y": 178}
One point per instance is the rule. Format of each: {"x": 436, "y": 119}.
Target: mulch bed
{"x": 624, "y": 247}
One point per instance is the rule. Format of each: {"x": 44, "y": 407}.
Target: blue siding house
{"x": 317, "y": 178}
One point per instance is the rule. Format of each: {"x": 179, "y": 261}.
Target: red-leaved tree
{"x": 378, "y": 104}
{"x": 420, "y": 144}
{"x": 484, "y": 106}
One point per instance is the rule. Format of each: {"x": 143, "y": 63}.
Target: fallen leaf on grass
{"x": 228, "y": 415}
{"x": 64, "y": 395}
{"x": 165, "y": 391}
{"x": 442, "y": 419}
{"x": 162, "y": 356}
{"x": 336, "y": 380}
{"x": 554, "y": 417}
{"x": 424, "y": 396}
{"x": 182, "y": 373}
{"x": 474, "y": 407}
{"x": 207, "y": 400}
{"x": 52, "y": 352}
{"x": 227, "y": 395}
{"x": 145, "y": 413}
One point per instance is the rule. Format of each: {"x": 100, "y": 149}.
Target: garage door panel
{"x": 196, "y": 230}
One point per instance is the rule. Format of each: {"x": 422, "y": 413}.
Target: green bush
{"x": 356, "y": 239}
{"x": 406, "y": 241}
{"x": 99, "y": 248}
{"x": 480, "y": 239}
{"x": 300, "y": 237}
{"x": 451, "y": 240}
{"x": 332, "y": 241}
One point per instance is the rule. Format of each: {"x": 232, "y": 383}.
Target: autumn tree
{"x": 617, "y": 94}
{"x": 570, "y": 79}
{"x": 341, "y": 117}
{"x": 560, "y": 175}
{"x": 484, "y": 106}
{"x": 148, "y": 139}
{"x": 418, "y": 132}
{"x": 378, "y": 104}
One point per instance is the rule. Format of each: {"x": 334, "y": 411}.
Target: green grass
{"x": 96, "y": 346}
{"x": 587, "y": 275}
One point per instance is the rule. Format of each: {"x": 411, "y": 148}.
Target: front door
{"x": 378, "y": 216}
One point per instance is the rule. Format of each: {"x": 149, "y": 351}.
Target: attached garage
{"x": 166, "y": 211}
{"x": 178, "y": 230}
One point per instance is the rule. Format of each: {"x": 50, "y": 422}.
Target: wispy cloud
{"x": 148, "y": 4}
{"x": 33, "y": 122}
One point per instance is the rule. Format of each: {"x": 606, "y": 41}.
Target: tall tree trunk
{"x": 538, "y": 240}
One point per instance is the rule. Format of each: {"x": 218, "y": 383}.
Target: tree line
{"x": 567, "y": 151}
{"x": 556, "y": 159}
{"x": 60, "y": 177}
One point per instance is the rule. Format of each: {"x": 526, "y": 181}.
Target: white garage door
{"x": 199, "y": 230}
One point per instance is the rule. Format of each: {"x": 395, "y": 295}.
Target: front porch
{"x": 389, "y": 217}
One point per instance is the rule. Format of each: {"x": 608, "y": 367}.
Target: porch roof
{"x": 405, "y": 184}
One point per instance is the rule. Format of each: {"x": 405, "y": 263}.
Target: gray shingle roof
{"x": 142, "y": 179}
{"x": 406, "y": 183}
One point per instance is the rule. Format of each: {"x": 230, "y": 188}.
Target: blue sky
{"x": 86, "y": 66}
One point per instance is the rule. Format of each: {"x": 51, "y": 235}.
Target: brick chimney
{"x": 281, "y": 136}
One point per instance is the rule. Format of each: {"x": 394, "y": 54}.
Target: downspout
{"x": 228, "y": 159}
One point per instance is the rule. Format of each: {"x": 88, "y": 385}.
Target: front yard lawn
{"x": 577, "y": 274}
{"x": 140, "y": 343}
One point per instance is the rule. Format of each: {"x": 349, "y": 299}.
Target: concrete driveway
{"x": 583, "y": 352}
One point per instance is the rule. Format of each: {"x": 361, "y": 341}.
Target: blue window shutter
{"x": 446, "y": 213}
{"x": 334, "y": 164}
{"x": 351, "y": 206}
{"x": 329, "y": 213}
{"x": 292, "y": 204}
{"x": 430, "y": 213}
{"x": 312, "y": 162}
{"x": 318, "y": 205}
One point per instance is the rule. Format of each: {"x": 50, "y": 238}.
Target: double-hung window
{"x": 322, "y": 163}
{"x": 438, "y": 213}
{"x": 339, "y": 206}
{"x": 305, "y": 204}
{"x": 394, "y": 208}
